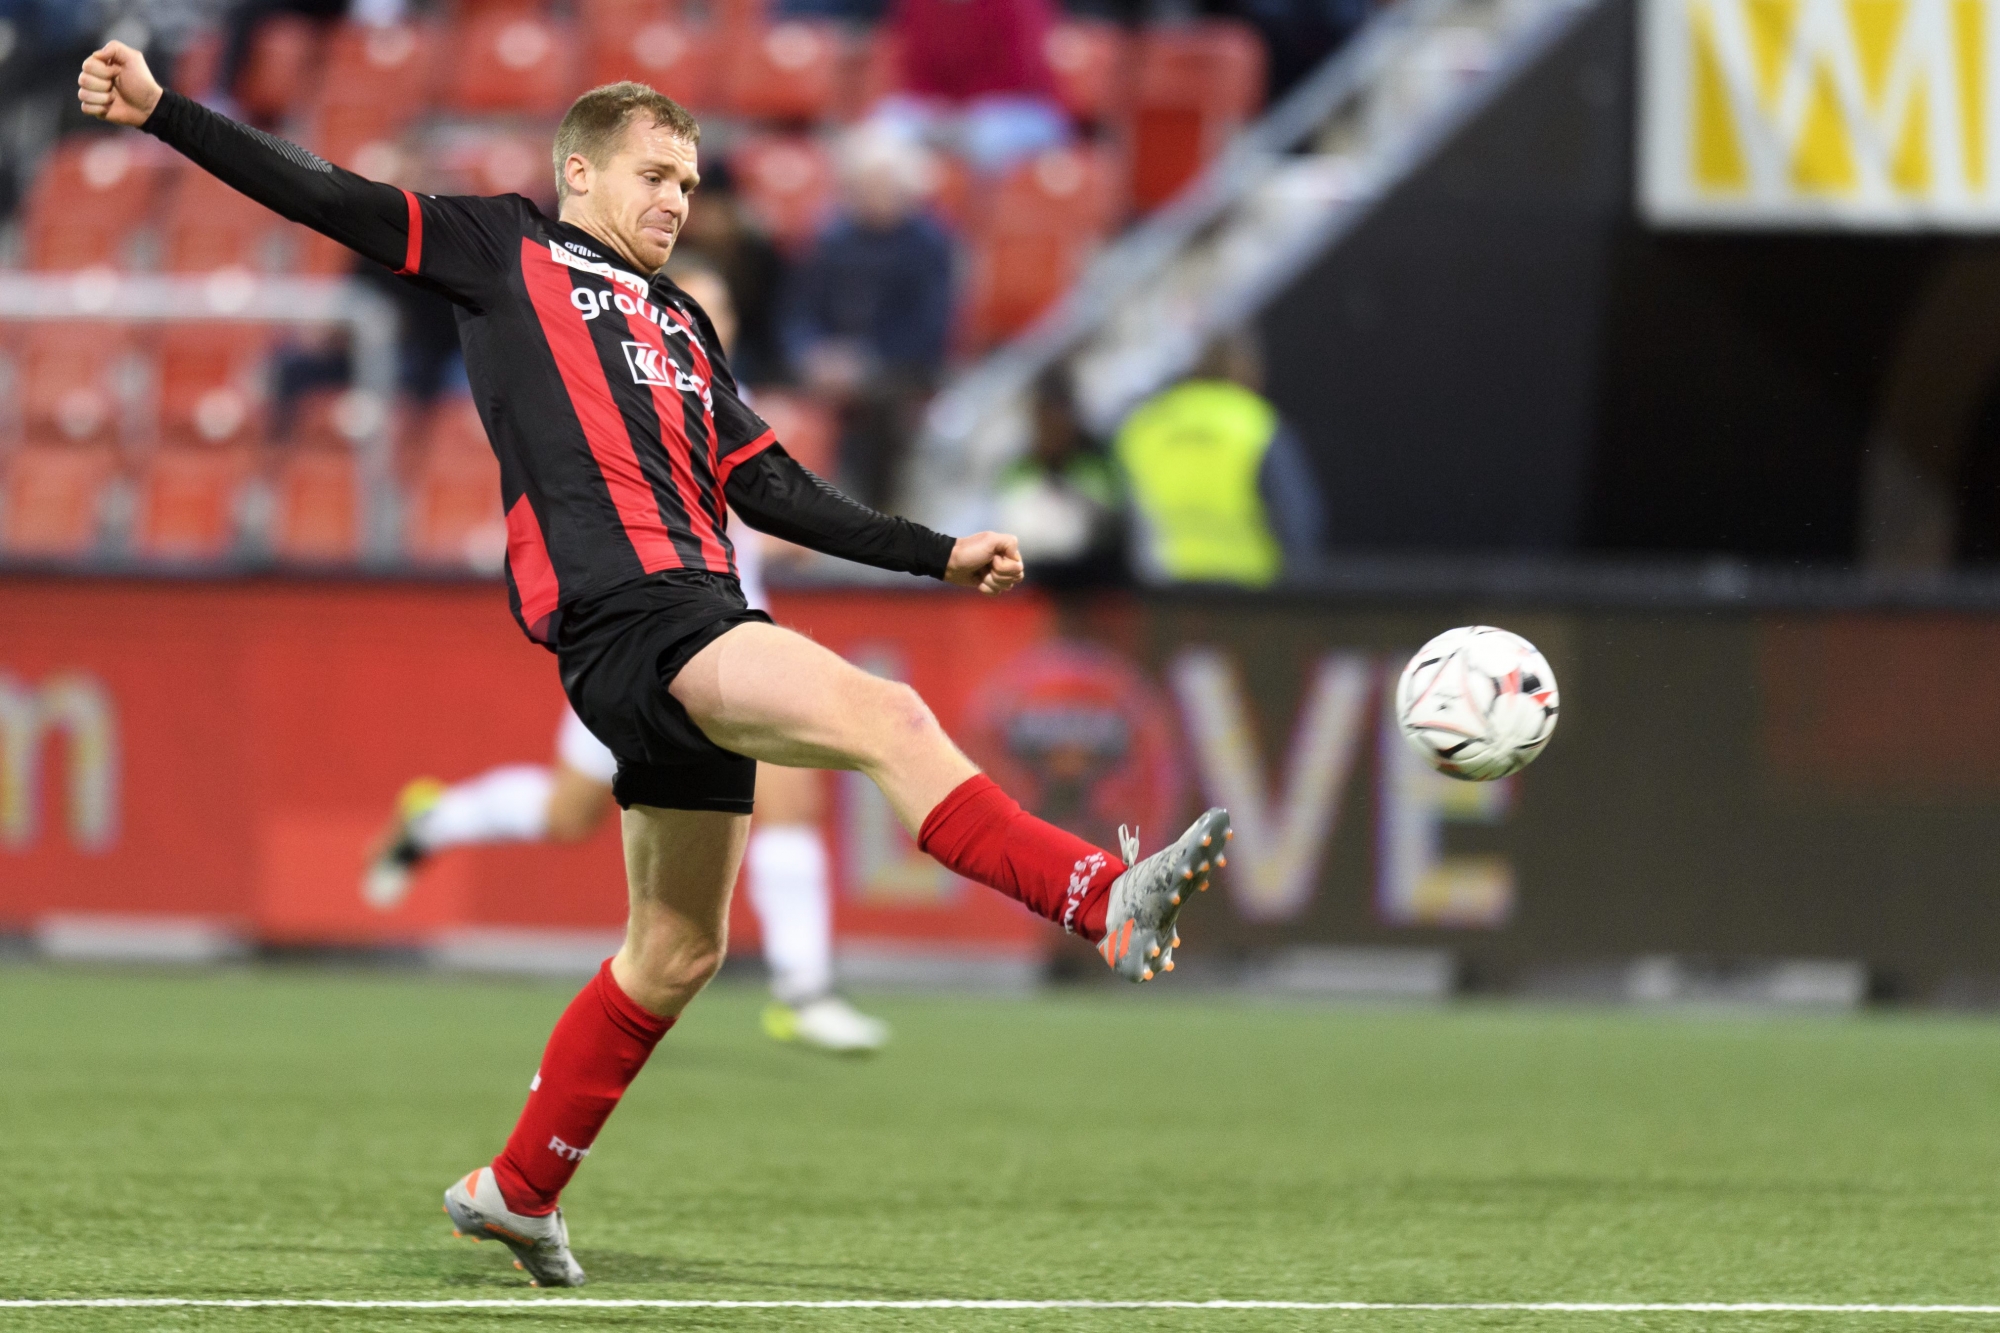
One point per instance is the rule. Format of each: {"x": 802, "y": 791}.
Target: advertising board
{"x": 1735, "y": 785}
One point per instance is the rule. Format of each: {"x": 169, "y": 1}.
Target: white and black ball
{"x": 1477, "y": 703}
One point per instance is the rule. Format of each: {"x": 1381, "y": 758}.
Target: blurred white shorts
{"x": 580, "y": 750}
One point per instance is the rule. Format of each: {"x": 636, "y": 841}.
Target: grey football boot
{"x": 1139, "y": 938}
{"x": 540, "y": 1244}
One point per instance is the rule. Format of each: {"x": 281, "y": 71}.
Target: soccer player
{"x": 786, "y": 863}
{"x": 620, "y": 435}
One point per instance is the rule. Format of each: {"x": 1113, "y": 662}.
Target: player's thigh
{"x": 788, "y": 795}
{"x": 681, "y": 866}
{"x": 779, "y": 697}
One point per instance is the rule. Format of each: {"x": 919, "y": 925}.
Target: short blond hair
{"x": 596, "y": 121}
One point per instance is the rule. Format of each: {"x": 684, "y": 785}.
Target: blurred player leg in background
{"x": 512, "y": 803}
{"x": 789, "y": 887}
{"x": 787, "y": 864}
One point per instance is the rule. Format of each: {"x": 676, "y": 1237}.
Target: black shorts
{"x": 619, "y": 652}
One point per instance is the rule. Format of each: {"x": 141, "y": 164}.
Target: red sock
{"x": 981, "y": 833}
{"x": 599, "y": 1046}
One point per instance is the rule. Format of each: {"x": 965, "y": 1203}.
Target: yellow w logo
{"x": 1816, "y": 110}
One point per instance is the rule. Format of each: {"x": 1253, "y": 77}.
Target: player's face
{"x": 643, "y": 192}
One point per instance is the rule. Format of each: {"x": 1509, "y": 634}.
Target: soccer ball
{"x": 1477, "y": 703}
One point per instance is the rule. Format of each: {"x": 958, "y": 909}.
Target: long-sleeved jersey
{"x": 603, "y": 390}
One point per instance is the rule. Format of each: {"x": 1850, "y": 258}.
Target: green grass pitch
{"x": 277, "y": 1133}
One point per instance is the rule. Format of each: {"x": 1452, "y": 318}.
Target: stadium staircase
{"x": 1288, "y": 188}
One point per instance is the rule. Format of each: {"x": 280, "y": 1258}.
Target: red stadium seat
{"x": 1195, "y": 85}
{"x": 335, "y": 420}
{"x": 807, "y": 428}
{"x": 1034, "y": 238}
{"x": 70, "y": 374}
{"x": 91, "y": 168}
{"x": 454, "y": 427}
{"x": 87, "y": 199}
{"x": 490, "y": 160}
{"x": 382, "y": 70}
{"x": 283, "y": 68}
{"x": 315, "y": 255}
{"x": 54, "y": 496}
{"x": 1072, "y": 190}
{"x": 199, "y": 64}
{"x": 211, "y": 226}
{"x": 455, "y": 509}
{"x": 676, "y": 59}
{"x": 788, "y": 71}
{"x": 318, "y": 511}
{"x": 455, "y": 515}
{"x": 211, "y": 383}
{"x": 358, "y": 136}
{"x": 511, "y": 62}
{"x": 97, "y": 240}
{"x": 738, "y": 16}
{"x": 1089, "y": 59}
{"x": 188, "y": 497}
{"x": 1014, "y": 277}
{"x": 787, "y": 182}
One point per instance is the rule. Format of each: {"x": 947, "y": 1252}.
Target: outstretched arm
{"x": 775, "y": 494}
{"x": 365, "y": 215}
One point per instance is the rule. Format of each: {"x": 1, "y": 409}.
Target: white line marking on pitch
{"x": 576, "y": 1302}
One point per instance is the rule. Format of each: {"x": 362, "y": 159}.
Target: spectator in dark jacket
{"x": 722, "y": 232}
{"x": 869, "y": 317}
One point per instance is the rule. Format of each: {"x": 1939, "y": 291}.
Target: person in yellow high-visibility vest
{"x": 1220, "y": 487}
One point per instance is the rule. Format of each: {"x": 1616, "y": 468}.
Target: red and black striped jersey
{"x": 604, "y": 390}
{"x": 609, "y": 403}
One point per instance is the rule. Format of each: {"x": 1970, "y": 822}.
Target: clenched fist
{"x": 116, "y": 85}
{"x": 988, "y": 561}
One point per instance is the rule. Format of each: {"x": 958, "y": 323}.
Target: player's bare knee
{"x": 690, "y": 968}
{"x": 902, "y": 718}
{"x": 668, "y": 974}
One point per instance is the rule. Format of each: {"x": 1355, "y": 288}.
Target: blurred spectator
{"x": 870, "y": 308}
{"x": 240, "y": 32}
{"x": 1065, "y": 499}
{"x": 1223, "y": 492}
{"x": 701, "y": 280}
{"x": 41, "y": 43}
{"x": 1298, "y": 34}
{"x": 976, "y": 79}
{"x": 721, "y": 231}
{"x": 428, "y": 361}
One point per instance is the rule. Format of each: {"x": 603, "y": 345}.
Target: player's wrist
{"x": 154, "y": 116}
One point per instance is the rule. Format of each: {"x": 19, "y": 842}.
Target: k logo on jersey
{"x": 649, "y": 365}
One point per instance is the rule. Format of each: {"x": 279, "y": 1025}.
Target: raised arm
{"x": 366, "y": 216}
{"x": 774, "y": 494}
